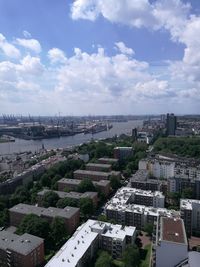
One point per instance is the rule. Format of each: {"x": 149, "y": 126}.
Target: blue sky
{"x": 99, "y": 56}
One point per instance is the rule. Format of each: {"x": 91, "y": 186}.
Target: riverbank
{"x": 63, "y": 142}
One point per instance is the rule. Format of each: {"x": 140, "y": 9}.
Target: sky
{"x": 99, "y": 57}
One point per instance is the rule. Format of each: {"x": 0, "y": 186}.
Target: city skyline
{"x": 99, "y": 57}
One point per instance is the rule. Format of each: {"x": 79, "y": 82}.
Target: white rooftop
{"x": 73, "y": 250}
{"x": 187, "y": 203}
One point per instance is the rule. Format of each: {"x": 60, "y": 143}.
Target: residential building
{"x": 88, "y": 238}
{"x": 171, "y": 245}
{"x": 141, "y": 180}
{"x": 171, "y": 124}
{"x": 99, "y": 167}
{"x": 190, "y": 213}
{"x": 122, "y": 209}
{"x": 121, "y": 153}
{"x": 130, "y": 195}
{"x": 93, "y": 175}
{"x": 72, "y": 185}
{"x": 108, "y": 160}
{"x": 76, "y": 196}
{"x": 21, "y": 251}
{"x": 70, "y": 215}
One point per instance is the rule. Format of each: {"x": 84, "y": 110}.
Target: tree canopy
{"x": 34, "y": 225}
{"x": 50, "y": 199}
{"x": 86, "y": 185}
{"x": 104, "y": 260}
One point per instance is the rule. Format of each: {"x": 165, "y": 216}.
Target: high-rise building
{"x": 171, "y": 124}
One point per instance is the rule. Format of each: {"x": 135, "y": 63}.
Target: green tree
{"x": 21, "y": 195}
{"x": 131, "y": 257}
{"x": 63, "y": 202}
{"x": 45, "y": 180}
{"x": 115, "y": 182}
{"x": 86, "y": 185}
{"x": 148, "y": 228}
{"x": 187, "y": 193}
{"x": 34, "y": 225}
{"x": 4, "y": 218}
{"x": 86, "y": 206}
{"x": 50, "y": 199}
{"x": 104, "y": 260}
{"x": 102, "y": 218}
{"x": 58, "y": 231}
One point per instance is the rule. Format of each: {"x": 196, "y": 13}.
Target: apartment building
{"x": 190, "y": 213}
{"x": 158, "y": 168}
{"x": 108, "y": 160}
{"x": 141, "y": 180}
{"x": 93, "y": 175}
{"x": 171, "y": 245}
{"x": 72, "y": 185}
{"x": 121, "y": 153}
{"x": 76, "y": 196}
{"x": 88, "y": 238}
{"x": 161, "y": 166}
{"x": 20, "y": 251}
{"x": 99, "y": 167}
{"x": 70, "y": 215}
{"x": 141, "y": 197}
{"x": 122, "y": 209}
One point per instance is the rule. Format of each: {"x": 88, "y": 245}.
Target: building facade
{"x": 21, "y": 251}
{"x": 70, "y": 215}
{"x": 88, "y": 238}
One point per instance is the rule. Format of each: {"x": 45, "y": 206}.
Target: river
{"x": 21, "y": 145}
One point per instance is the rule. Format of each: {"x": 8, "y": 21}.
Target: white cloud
{"x": 8, "y": 49}
{"x": 26, "y": 34}
{"x": 56, "y": 56}
{"x": 134, "y": 13}
{"x": 30, "y": 44}
{"x": 123, "y": 49}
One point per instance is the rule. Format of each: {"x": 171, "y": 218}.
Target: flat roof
{"x": 25, "y": 244}
{"x": 70, "y": 181}
{"x": 77, "y": 182}
{"x": 67, "y": 212}
{"x": 112, "y": 160}
{"x": 72, "y": 194}
{"x": 99, "y": 165}
{"x": 74, "y": 249}
{"x": 6, "y": 238}
{"x": 188, "y": 203}
{"x": 96, "y": 173}
{"x": 173, "y": 230}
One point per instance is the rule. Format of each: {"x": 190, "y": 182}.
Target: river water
{"x": 21, "y": 145}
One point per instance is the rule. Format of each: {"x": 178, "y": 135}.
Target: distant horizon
{"x": 97, "y": 115}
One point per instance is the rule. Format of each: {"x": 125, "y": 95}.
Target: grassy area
{"x": 118, "y": 263}
{"x": 146, "y": 253}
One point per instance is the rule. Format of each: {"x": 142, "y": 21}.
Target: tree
{"x": 45, "y": 179}
{"x": 187, "y": 193}
{"x": 58, "y": 231}
{"x": 86, "y": 185}
{"x": 21, "y": 195}
{"x": 34, "y": 225}
{"x": 115, "y": 182}
{"x": 50, "y": 199}
{"x": 104, "y": 260}
{"x": 102, "y": 218}
{"x": 63, "y": 202}
{"x": 131, "y": 257}
{"x": 148, "y": 228}
{"x": 86, "y": 206}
